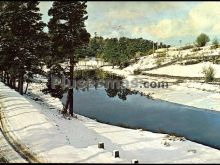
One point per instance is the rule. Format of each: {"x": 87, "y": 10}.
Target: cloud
{"x": 135, "y": 17}
{"x": 131, "y": 10}
{"x": 204, "y": 17}
{"x": 151, "y": 20}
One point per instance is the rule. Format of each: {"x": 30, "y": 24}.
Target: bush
{"x": 160, "y": 57}
{"x": 215, "y": 44}
{"x": 137, "y": 71}
{"x": 150, "y": 51}
{"x": 159, "y": 61}
{"x": 202, "y": 39}
{"x": 196, "y": 49}
{"x": 162, "y": 54}
{"x": 186, "y": 47}
{"x": 209, "y": 74}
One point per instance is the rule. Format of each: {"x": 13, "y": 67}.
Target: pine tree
{"x": 111, "y": 51}
{"x": 68, "y": 33}
{"x": 24, "y": 38}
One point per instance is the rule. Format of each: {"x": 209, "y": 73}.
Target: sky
{"x": 174, "y": 23}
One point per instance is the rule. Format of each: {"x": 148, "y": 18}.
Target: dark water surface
{"x": 122, "y": 107}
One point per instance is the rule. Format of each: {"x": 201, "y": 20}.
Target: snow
{"x": 202, "y": 86}
{"x": 39, "y": 125}
{"x": 191, "y": 93}
{"x": 149, "y": 61}
{"x": 143, "y": 63}
{"x": 8, "y": 153}
{"x": 55, "y": 139}
{"x": 194, "y": 70}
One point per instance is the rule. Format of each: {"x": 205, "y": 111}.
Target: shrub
{"x": 209, "y": 74}
{"x": 196, "y": 49}
{"x": 186, "y": 47}
{"x": 137, "y": 71}
{"x": 215, "y": 43}
{"x": 162, "y": 54}
{"x": 202, "y": 39}
{"x": 150, "y": 51}
{"x": 159, "y": 61}
{"x": 160, "y": 57}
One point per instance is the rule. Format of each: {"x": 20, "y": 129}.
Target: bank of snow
{"x": 55, "y": 139}
{"x": 194, "y": 70}
{"x": 191, "y": 93}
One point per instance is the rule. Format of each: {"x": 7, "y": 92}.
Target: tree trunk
{"x": 19, "y": 82}
{"x": 4, "y": 79}
{"x": 21, "y": 88}
{"x": 71, "y": 87}
{"x": 7, "y": 79}
{"x": 26, "y": 88}
{"x": 2, "y": 76}
{"x": 13, "y": 83}
{"x": 67, "y": 104}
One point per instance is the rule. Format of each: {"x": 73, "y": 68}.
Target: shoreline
{"x": 190, "y": 96}
{"x": 132, "y": 144}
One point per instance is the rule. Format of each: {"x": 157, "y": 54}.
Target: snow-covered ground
{"x": 194, "y": 70}
{"x": 142, "y": 63}
{"x": 191, "y": 93}
{"x": 39, "y": 126}
{"x": 149, "y": 61}
{"x": 202, "y": 86}
{"x": 35, "y": 121}
{"x": 7, "y": 152}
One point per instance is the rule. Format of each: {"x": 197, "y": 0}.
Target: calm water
{"x": 122, "y": 107}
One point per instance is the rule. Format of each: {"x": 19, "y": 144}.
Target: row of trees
{"x": 21, "y": 38}
{"x": 25, "y": 48}
{"x": 119, "y": 51}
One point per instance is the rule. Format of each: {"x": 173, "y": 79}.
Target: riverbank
{"x": 190, "y": 93}
{"x": 37, "y": 123}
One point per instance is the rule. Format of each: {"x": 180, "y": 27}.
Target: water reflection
{"x": 92, "y": 79}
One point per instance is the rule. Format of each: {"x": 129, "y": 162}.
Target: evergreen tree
{"x": 111, "y": 51}
{"x": 23, "y": 40}
{"x": 68, "y": 33}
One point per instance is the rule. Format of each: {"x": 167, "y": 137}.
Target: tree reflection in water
{"x": 94, "y": 79}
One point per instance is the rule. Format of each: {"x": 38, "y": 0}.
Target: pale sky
{"x": 167, "y": 22}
